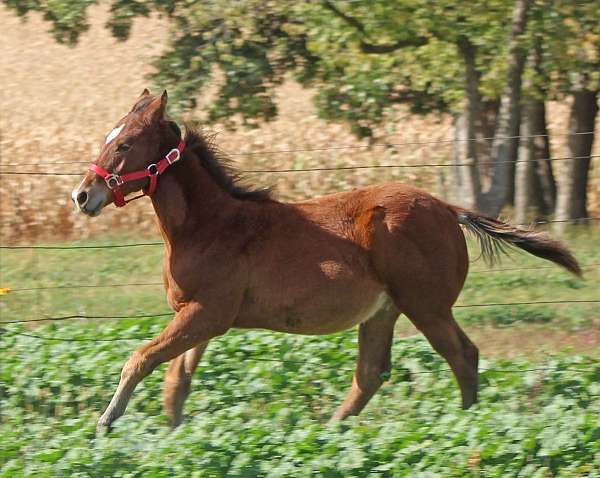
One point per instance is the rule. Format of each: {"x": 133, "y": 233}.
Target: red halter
{"x": 114, "y": 181}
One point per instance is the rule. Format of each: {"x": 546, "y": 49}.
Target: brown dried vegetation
{"x": 58, "y": 102}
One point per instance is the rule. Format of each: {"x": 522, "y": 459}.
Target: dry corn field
{"x": 58, "y": 102}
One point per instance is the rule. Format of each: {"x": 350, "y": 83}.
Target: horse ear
{"x": 140, "y": 99}
{"x": 157, "y": 108}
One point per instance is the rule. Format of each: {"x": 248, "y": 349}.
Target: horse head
{"x": 130, "y": 158}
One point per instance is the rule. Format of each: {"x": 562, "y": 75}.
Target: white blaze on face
{"x": 114, "y": 133}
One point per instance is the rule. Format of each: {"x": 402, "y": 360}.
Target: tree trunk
{"x": 526, "y": 192}
{"x": 466, "y": 176}
{"x": 541, "y": 142}
{"x": 534, "y": 181}
{"x": 535, "y": 190}
{"x": 503, "y": 148}
{"x": 572, "y": 187}
{"x": 486, "y": 126}
{"x": 543, "y": 174}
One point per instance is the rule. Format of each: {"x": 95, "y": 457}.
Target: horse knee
{"x": 136, "y": 365}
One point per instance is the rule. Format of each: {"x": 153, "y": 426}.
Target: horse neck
{"x": 187, "y": 201}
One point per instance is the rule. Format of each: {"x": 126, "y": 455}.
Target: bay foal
{"x": 236, "y": 258}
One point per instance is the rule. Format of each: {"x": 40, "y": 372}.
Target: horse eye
{"x": 123, "y": 147}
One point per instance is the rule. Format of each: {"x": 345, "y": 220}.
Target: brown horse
{"x": 236, "y": 258}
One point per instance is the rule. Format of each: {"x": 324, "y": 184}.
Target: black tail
{"x": 494, "y": 235}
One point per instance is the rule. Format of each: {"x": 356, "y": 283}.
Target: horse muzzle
{"x": 89, "y": 198}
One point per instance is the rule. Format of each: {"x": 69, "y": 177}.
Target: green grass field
{"x": 261, "y": 400}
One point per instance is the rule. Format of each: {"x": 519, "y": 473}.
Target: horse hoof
{"x": 103, "y": 427}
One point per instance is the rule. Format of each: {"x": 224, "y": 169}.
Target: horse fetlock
{"x": 174, "y": 411}
{"x": 341, "y": 414}
{"x": 469, "y": 391}
{"x": 468, "y": 402}
{"x": 104, "y": 424}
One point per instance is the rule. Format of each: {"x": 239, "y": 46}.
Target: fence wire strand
{"x": 154, "y": 284}
{"x": 160, "y": 243}
{"x": 333, "y": 168}
{"x": 298, "y": 362}
{"x": 285, "y": 171}
{"x": 343, "y": 147}
{"x": 167, "y": 314}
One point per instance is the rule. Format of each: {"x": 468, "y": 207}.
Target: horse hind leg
{"x": 178, "y": 379}
{"x": 374, "y": 360}
{"x": 450, "y": 341}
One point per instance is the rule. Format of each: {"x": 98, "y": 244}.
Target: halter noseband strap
{"x": 115, "y": 181}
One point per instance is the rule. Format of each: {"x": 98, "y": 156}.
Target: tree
{"x": 572, "y": 193}
{"x": 509, "y": 117}
{"x": 535, "y": 187}
{"x": 576, "y": 65}
{"x": 394, "y": 54}
{"x": 366, "y": 56}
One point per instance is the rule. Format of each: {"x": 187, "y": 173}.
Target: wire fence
{"x": 310, "y": 169}
{"x": 538, "y": 268}
{"x": 75, "y": 247}
{"x": 161, "y": 243}
{"x": 169, "y": 314}
{"x": 280, "y": 171}
{"x": 248, "y": 356}
{"x": 387, "y": 144}
{"x": 155, "y": 284}
{"x": 348, "y": 147}
{"x": 333, "y": 168}
{"x": 265, "y": 359}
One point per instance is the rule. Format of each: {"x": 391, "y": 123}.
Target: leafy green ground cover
{"x": 251, "y": 418}
{"x": 261, "y": 401}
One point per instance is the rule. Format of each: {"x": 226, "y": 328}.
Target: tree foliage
{"x": 364, "y": 56}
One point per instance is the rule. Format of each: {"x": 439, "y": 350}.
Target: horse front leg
{"x": 178, "y": 380}
{"x": 192, "y": 325}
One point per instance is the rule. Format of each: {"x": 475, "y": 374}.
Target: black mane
{"x": 218, "y": 165}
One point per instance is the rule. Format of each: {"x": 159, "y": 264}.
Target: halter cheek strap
{"x": 115, "y": 181}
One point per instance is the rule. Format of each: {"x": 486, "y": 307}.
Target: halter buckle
{"x": 113, "y": 181}
{"x": 175, "y": 152}
{"x": 152, "y": 169}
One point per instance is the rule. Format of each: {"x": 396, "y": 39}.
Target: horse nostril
{"x": 82, "y": 198}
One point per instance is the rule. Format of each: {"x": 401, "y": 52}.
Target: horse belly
{"x": 326, "y": 311}
{"x": 342, "y": 317}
